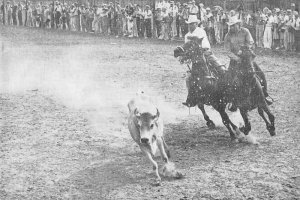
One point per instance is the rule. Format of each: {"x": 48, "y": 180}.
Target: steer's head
{"x": 147, "y": 124}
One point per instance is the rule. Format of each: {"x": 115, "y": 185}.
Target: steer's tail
{"x": 166, "y": 148}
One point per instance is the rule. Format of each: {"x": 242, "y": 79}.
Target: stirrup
{"x": 209, "y": 77}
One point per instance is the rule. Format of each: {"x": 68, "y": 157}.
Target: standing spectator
{"x": 297, "y": 32}
{"x": 119, "y": 25}
{"x": 288, "y": 36}
{"x": 24, "y": 10}
{"x": 148, "y": 17}
{"x": 184, "y": 15}
{"x": 47, "y": 16}
{"x": 98, "y": 19}
{"x": 83, "y": 18}
{"x": 104, "y": 21}
{"x": 57, "y": 11}
{"x": 268, "y": 30}
{"x": 276, "y": 37}
{"x": 9, "y": 13}
{"x": 72, "y": 17}
{"x": 139, "y": 16}
{"x": 64, "y": 16}
{"x": 281, "y": 29}
{"x": 193, "y": 9}
{"x": 259, "y": 18}
{"x": 29, "y": 15}
{"x": 173, "y": 16}
{"x": 20, "y": 14}
{"x": 223, "y": 29}
{"x": 124, "y": 22}
{"x": 209, "y": 25}
{"x": 34, "y": 16}
{"x": 76, "y": 17}
{"x": 39, "y": 18}
{"x": 202, "y": 12}
{"x": 134, "y": 18}
{"x": 14, "y": 14}
{"x": 68, "y": 17}
{"x": 179, "y": 8}
{"x": 165, "y": 22}
{"x": 90, "y": 19}
{"x": 217, "y": 25}
{"x": 158, "y": 22}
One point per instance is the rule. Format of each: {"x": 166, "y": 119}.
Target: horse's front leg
{"x": 263, "y": 107}
{"x": 227, "y": 122}
{"x": 247, "y": 128}
{"x": 210, "y": 124}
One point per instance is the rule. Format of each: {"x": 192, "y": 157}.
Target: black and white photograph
{"x": 149, "y": 99}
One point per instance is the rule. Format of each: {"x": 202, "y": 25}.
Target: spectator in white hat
{"x": 276, "y": 38}
{"x": 268, "y": 35}
{"x": 296, "y": 26}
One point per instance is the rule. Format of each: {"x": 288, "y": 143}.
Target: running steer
{"x": 146, "y": 128}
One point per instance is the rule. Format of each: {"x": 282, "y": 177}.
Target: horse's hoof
{"x": 242, "y": 129}
{"x": 272, "y": 133}
{"x": 271, "y": 130}
{"x": 234, "y": 140}
{"x": 211, "y": 125}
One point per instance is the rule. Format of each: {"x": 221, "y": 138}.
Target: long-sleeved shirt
{"x": 233, "y": 42}
{"x": 200, "y": 33}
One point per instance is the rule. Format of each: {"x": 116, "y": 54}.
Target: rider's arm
{"x": 248, "y": 39}
{"x": 227, "y": 45}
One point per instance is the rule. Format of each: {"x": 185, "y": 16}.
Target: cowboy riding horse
{"x": 242, "y": 84}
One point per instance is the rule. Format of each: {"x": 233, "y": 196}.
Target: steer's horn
{"x": 156, "y": 116}
{"x": 136, "y": 112}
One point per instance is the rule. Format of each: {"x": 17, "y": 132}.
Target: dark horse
{"x": 238, "y": 85}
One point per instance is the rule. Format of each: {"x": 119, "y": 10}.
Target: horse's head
{"x": 190, "y": 51}
{"x": 246, "y": 53}
{"x": 247, "y": 57}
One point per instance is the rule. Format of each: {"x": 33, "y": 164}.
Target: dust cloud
{"x": 69, "y": 75}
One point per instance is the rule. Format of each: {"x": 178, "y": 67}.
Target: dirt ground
{"x": 64, "y": 129}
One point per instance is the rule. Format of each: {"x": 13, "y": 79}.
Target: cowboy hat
{"x": 192, "y": 19}
{"x": 277, "y": 10}
{"x": 233, "y": 20}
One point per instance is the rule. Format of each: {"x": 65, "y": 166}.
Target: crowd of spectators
{"x": 271, "y": 28}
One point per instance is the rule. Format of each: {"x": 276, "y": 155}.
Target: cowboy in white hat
{"x": 198, "y": 35}
{"x": 236, "y": 38}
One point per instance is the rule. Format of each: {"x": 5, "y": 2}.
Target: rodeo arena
{"x": 150, "y": 99}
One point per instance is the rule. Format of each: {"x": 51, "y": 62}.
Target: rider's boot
{"x": 268, "y": 99}
{"x": 190, "y": 101}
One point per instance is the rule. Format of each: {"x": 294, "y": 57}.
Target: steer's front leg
{"x": 155, "y": 167}
{"x": 162, "y": 150}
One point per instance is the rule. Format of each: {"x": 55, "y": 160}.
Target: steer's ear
{"x": 137, "y": 113}
{"x": 156, "y": 116}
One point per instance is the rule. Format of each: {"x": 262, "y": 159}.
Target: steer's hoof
{"x": 157, "y": 182}
{"x": 178, "y": 175}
